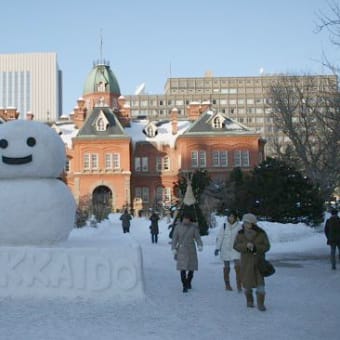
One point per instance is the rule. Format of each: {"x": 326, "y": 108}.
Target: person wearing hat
{"x": 224, "y": 246}
{"x": 252, "y": 242}
{"x": 154, "y": 229}
{"x": 332, "y": 232}
{"x": 185, "y": 237}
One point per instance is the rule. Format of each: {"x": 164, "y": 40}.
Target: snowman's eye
{"x": 31, "y": 141}
{"x": 3, "y": 143}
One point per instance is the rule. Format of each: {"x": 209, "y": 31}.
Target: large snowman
{"x": 36, "y": 208}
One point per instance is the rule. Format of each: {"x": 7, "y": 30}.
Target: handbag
{"x": 265, "y": 267}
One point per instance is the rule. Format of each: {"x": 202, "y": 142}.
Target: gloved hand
{"x": 216, "y": 252}
{"x": 174, "y": 251}
{"x": 200, "y": 248}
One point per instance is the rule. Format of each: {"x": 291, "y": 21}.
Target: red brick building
{"x": 126, "y": 162}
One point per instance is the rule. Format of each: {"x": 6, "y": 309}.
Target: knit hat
{"x": 250, "y": 218}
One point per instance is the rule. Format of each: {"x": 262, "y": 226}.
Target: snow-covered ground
{"x": 303, "y": 297}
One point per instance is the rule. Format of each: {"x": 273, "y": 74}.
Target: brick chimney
{"x": 194, "y": 110}
{"x": 29, "y": 116}
{"x": 174, "y": 121}
{"x": 79, "y": 113}
{"x": 124, "y": 112}
{"x": 9, "y": 113}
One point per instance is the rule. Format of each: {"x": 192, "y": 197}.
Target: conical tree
{"x": 190, "y": 202}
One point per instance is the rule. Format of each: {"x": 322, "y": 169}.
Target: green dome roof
{"x": 101, "y": 79}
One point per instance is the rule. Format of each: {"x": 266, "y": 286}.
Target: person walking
{"x": 154, "y": 218}
{"x": 126, "y": 218}
{"x": 225, "y": 247}
{"x": 332, "y": 232}
{"x": 183, "y": 246}
{"x": 252, "y": 242}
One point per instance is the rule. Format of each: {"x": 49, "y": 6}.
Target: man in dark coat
{"x": 154, "y": 218}
{"x": 332, "y": 232}
{"x": 126, "y": 218}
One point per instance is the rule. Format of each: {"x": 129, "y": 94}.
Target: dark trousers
{"x": 186, "y": 278}
{"x": 126, "y": 230}
{"x": 333, "y": 257}
{"x": 154, "y": 238}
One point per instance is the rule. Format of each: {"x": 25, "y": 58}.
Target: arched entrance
{"x": 101, "y": 202}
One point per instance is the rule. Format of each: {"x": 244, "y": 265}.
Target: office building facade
{"x": 32, "y": 84}
{"x": 244, "y": 99}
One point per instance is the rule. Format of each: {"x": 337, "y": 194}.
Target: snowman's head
{"x": 30, "y": 149}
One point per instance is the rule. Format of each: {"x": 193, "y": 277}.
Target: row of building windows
{"x": 181, "y": 102}
{"x": 141, "y": 164}
{"x": 91, "y": 161}
{"x": 220, "y": 159}
{"x": 162, "y": 194}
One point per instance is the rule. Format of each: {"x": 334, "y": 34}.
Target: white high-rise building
{"x": 31, "y": 83}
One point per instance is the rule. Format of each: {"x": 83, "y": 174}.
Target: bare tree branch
{"x": 307, "y": 110}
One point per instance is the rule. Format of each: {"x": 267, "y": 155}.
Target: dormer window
{"x": 217, "y": 122}
{"x": 150, "y": 130}
{"x": 101, "y": 122}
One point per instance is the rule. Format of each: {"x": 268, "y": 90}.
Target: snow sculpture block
{"x": 36, "y": 207}
{"x": 111, "y": 271}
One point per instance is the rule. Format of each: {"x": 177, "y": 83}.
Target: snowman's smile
{"x": 17, "y": 160}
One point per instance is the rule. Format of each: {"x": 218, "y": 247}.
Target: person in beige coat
{"x": 252, "y": 242}
{"x": 183, "y": 246}
{"x": 224, "y": 246}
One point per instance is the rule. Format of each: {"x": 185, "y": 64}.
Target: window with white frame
{"x": 163, "y": 194}
{"x": 112, "y": 161}
{"x": 159, "y": 194}
{"x": 167, "y": 195}
{"x": 90, "y": 161}
{"x": 198, "y": 159}
{"x": 241, "y": 158}
{"x": 162, "y": 164}
{"x": 143, "y": 193}
{"x": 220, "y": 158}
{"x": 141, "y": 164}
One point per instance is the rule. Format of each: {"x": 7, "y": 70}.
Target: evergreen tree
{"x": 278, "y": 192}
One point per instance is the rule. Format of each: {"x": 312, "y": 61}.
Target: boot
{"x": 184, "y": 281}
{"x": 238, "y": 278}
{"x": 250, "y": 298}
{"x": 260, "y": 302}
{"x": 189, "y": 279}
{"x": 226, "y": 279}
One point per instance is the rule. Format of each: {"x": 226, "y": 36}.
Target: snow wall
{"x": 111, "y": 271}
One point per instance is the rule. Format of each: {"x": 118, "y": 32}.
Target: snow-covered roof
{"x": 68, "y": 131}
{"x": 164, "y": 132}
{"x": 164, "y": 129}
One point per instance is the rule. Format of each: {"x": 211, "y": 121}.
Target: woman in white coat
{"x": 224, "y": 246}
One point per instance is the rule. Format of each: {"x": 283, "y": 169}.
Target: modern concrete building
{"x": 32, "y": 84}
{"x": 244, "y": 99}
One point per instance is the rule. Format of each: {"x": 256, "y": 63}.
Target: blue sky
{"x": 141, "y": 39}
